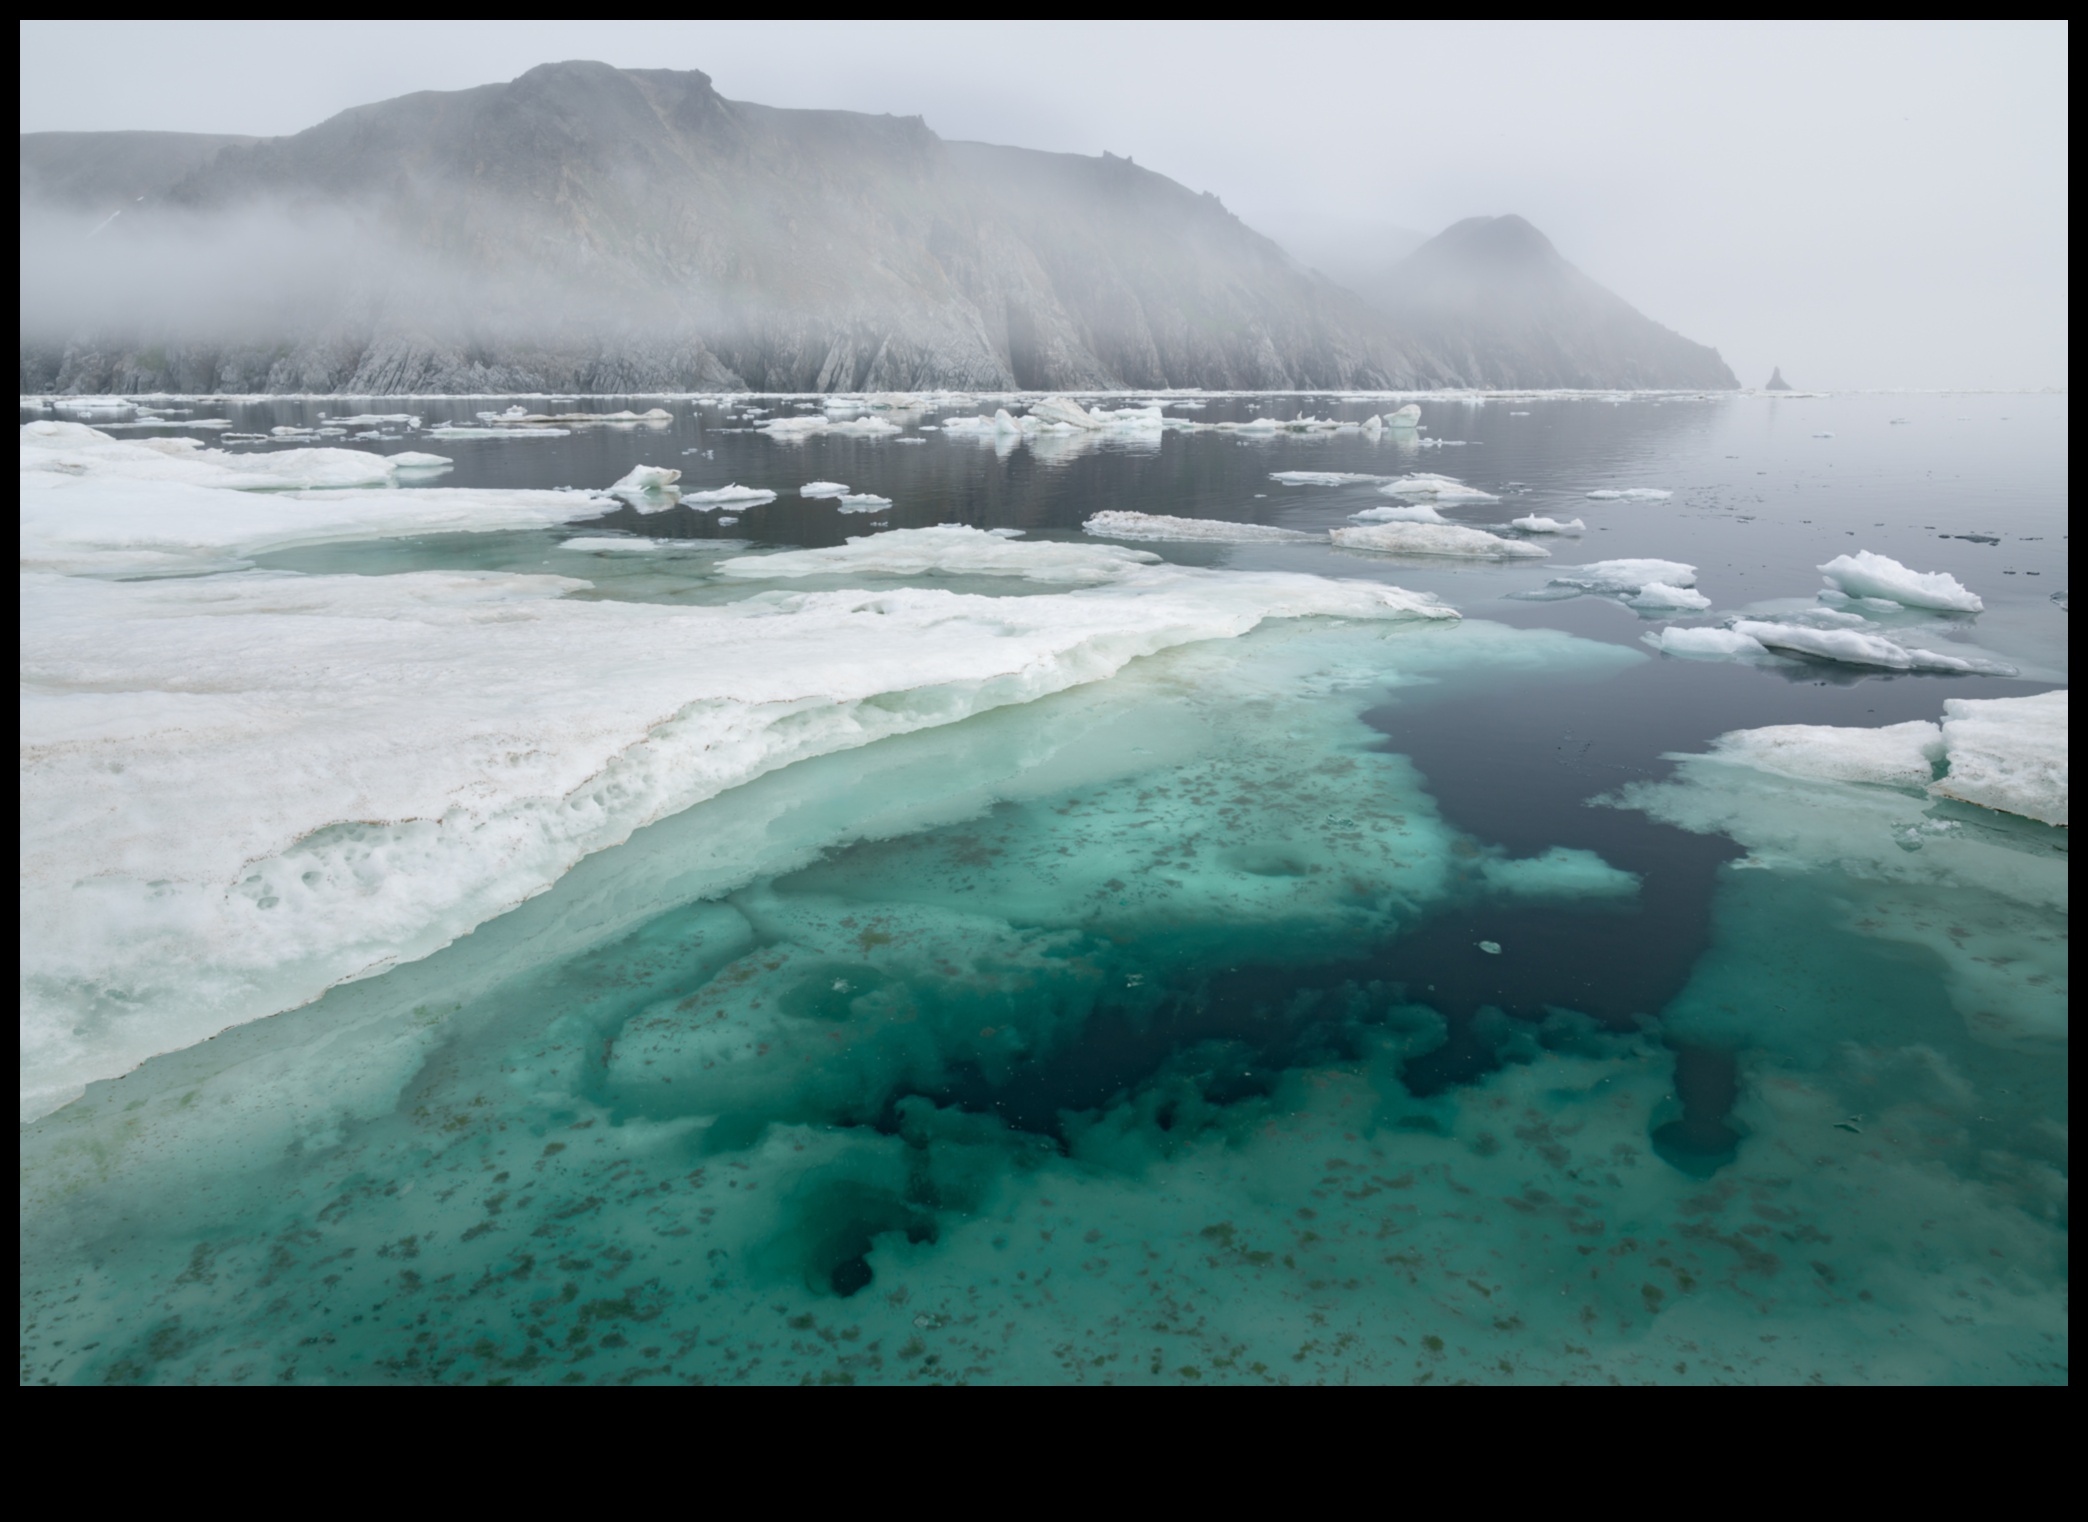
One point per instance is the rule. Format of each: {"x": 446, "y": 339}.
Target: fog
{"x": 1863, "y": 205}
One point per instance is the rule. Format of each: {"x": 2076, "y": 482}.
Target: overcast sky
{"x": 1865, "y": 205}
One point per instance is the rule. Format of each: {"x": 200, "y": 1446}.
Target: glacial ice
{"x": 1562, "y": 872}
{"x": 1632, "y": 494}
{"x": 1443, "y": 488}
{"x": 1722, "y": 644}
{"x": 416, "y": 462}
{"x": 1625, "y": 576}
{"x": 822, "y": 489}
{"x": 632, "y": 544}
{"x": 466, "y": 431}
{"x": 53, "y": 449}
{"x": 1159, "y": 526}
{"x": 1535, "y": 524}
{"x": 1321, "y": 477}
{"x": 2007, "y": 754}
{"x": 642, "y": 480}
{"x": 949, "y": 550}
{"x": 863, "y": 502}
{"x": 1405, "y": 512}
{"x": 1866, "y": 574}
{"x": 1435, "y": 539}
{"x": 1408, "y": 416}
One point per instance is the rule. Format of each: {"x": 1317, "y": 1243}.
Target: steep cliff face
{"x": 591, "y": 228}
{"x": 1499, "y": 306}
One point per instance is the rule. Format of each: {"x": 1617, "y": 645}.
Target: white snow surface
{"x": 863, "y": 502}
{"x": 1722, "y": 644}
{"x": 1655, "y": 595}
{"x": 822, "y": 489}
{"x": 1158, "y": 526}
{"x": 325, "y": 775}
{"x": 1898, "y": 755}
{"x": 949, "y": 550}
{"x": 1535, "y": 524}
{"x": 1866, "y": 574}
{"x": 54, "y": 449}
{"x": 2007, "y": 754}
{"x": 1436, "y": 539}
{"x": 415, "y": 460}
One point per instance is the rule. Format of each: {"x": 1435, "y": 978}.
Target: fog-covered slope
{"x": 592, "y": 228}
{"x": 1500, "y": 306}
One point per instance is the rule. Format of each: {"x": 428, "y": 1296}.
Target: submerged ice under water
{"x": 1308, "y": 998}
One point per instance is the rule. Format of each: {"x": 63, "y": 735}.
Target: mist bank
{"x": 591, "y": 229}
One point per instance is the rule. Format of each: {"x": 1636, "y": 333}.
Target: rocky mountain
{"x": 1499, "y": 306}
{"x": 592, "y": 229}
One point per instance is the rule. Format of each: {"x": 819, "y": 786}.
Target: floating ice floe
{"x": 2007, "y": 754}
{"x": 1408, "y": 416}
{"x": 1869, "y": 575}
{"x": 863, "y": 502}
{"x": 1562, "y": 872}
{"x": 1321, "y": 477}
{"x": 1625, "y": 577}
{"x": 378, "y": 420}
{"x": 415, "y": 462}
{"x": 466, "y": 431}
{"x": 1704, "y": 643}
{"x": 791, "y": 428}
{"x": 1534, "y": 524}
{"x": 1899, "y": 755}
{"x": 1405, "y": 512}
{"x": 1442, "y": 488}
{"x": 1852, "y": 648}
{"x": 646, "y": 481}
{"x": 823, "y": 489}
{"x": 949, "y": 550}
{"x": 1435, "y": 539}
{"x": 1632, "y": 494}
{"x": 734, "y": 495}
{"x": 520, "y": 418}
{"x": 632, "y": 544}
{"x": 1159, "y": 526}
{"x": 1659, "y": 596}
{"x": 74, "y": 449}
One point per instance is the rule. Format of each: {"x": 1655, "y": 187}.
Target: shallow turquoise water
{"x": 1149, "y": 1032}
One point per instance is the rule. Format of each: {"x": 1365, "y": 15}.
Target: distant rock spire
{"x": 1776, "y": 380}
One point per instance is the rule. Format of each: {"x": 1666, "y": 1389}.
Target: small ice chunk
{"x": 1320, "y": 477}
{"x": 631, "y": 544}
{"x": 949, "y": 549}
{"x": 2007, "y": 754}
{"x": 1721, "y": 644}
{"x": 1659, "y": 595}
{"x": 646, "y": 478}
{"x": 1491, "y": 948}
{"x": 1435, "y": 539}
{"x": 1408, "y": 416}
{"x": 822, "y": 489}
{"x": 864, "y": 502}
{"x": 1632, "y": 494}
{"x": 749, "y": 496}
{"x": 1899, "y": 755}
{"x": 1443, "y": 488}
{"x": 1405, "y": 512}
{"x": 1561, "y": 872}
{"x": 1852, "y": 648}
{"x": 1156, "y": 526}
{"x": 1538, "y": 525}
{"x": 415, "y": 460}
{"x": 1869, "y": 575}
{"x": 1625, "y": 576}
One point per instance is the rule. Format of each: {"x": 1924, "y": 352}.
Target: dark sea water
{"x": 995, "y": 1053}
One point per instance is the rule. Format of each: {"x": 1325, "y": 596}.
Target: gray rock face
{"x": 1499, "y": 306}
{"x": 1776, "y": 380}
{"x": 591, "y": 229}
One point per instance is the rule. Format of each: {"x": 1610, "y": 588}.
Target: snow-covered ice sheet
{"x": 1435, "y": 539}
{"x": 863, "y": 502}
{"x": 1405, "y": 512}
{"x": 1897, "y": 755}
{"x": 1442, "y": 488}
{"x": 1625, "y": 576}
{"x": 325, "y": 775}
{"x": 1657, "y": 596}
{"x": 823, "y": 489}
{"x": 1322, "y": 477}
{"x": 1866, "y": 574}
{"x": 1535, "y": 524}
{"x": 734, "y": 495}
{"x": 949, "y": 550}
{"x": 1858, "y": 649}
{"x": 1160, "y": 526}
{"x": 60, "y": 450}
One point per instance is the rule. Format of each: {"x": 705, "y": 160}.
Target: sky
{"x": 1865, "y": 205}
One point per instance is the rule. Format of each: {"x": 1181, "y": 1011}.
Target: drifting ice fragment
{"x": 1320, "y": 477}
{"x": 1154, "y": 526}
{"x": 1536, "y": 525}
{"x": 646, "y": 478}
{"x": 1406, "y": 512}
{"x": 822, "y": 489}
{"x": 1561, "y": 872}
{"x": 1852, "y": 648}
{"x": 413, "y": 460}
{"x": 864, "y": 502}
{"x": 1721, "y": 644}
{"x": 1659, "y": 595}
{"x": 1865, "y": 574}
{"x": 751, "y": 496}
{"x": 1436, "y": 539}
{"x": 1443, "y": 488}
{"x": 2007, "y": 754}
{"x": 1408, "y": 416}
{"x": 1625, "y": 576}
{"x": 1632, "y": 494}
